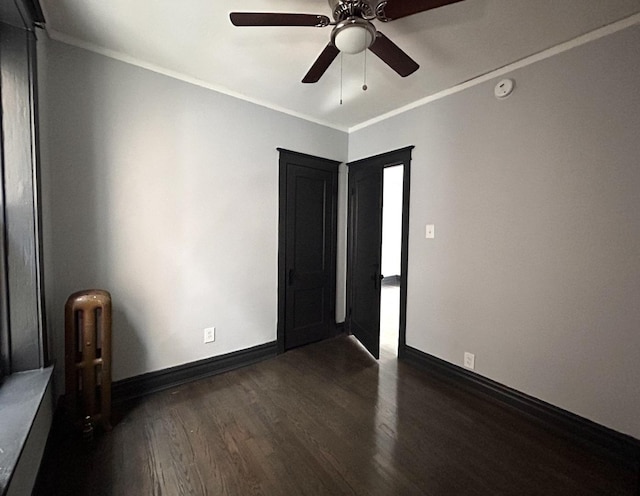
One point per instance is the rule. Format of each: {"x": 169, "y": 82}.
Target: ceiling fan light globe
{"x": 354, "y": 39}
{"x": 353, "y": 35}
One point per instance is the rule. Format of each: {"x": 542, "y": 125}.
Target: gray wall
{"x": 165, "y": 194}
{"x": 536, "y": 263}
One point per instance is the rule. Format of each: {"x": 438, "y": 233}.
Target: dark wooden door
{"x": 365, "y": 250}
{"x": 307, "y": 266}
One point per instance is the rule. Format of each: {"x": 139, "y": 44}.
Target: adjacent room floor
{"x": 325, "y": 419}
{"x": 389, "y": 320}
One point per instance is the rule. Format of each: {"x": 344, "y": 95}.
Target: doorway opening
{"x": 392, "y": 192}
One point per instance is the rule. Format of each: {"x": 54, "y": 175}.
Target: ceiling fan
{"x": 353, "y": 31}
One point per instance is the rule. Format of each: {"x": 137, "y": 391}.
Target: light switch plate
{"x": 430, "y": 231}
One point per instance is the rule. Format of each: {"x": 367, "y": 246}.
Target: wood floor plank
{"x": 326, "y": 419}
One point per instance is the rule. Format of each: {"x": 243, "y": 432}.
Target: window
{"x": 21, "y": 317}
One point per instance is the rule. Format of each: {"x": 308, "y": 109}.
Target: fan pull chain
{"x": 364, "y": 84}
{"x": 341, "y": 58}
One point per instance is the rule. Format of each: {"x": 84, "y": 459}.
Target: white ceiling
{"x": 195, "y": 40}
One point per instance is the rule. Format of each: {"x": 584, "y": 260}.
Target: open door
{"x": 365, "y": 250}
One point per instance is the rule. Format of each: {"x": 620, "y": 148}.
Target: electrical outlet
{"x": 209, "y": 334}
{"x": 469, "y": 360}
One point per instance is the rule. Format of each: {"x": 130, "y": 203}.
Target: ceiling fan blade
{"x": 277, "y": 19}
{"x": 395, "y": 9}
{"x": 392, "y": 55}
{"x": 321, "y": 64}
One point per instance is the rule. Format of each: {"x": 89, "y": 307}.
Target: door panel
{"x": 309, "y": 188}
{"x": 307, "y": 307}
{"x": 308, "y": 262}
{"x": 365, "y": 211}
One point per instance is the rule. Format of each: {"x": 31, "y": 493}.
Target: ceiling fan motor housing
{"x": 343, "y": 9}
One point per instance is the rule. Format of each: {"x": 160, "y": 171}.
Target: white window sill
{"x": 21, "y": 396}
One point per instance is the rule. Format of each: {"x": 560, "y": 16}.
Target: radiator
{"x": 88, "y": 359}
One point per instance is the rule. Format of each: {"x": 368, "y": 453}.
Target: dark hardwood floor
{"x": 325, "y": 419}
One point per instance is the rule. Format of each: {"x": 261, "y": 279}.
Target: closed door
{"x": 307, "y": 266}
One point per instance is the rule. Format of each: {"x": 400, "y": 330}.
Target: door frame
{"x": 313, "y": 162}
{"x": 402, "y": 157}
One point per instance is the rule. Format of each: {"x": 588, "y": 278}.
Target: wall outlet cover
{"x": 209, "y": 334}
{"x": 469, "y": 360}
